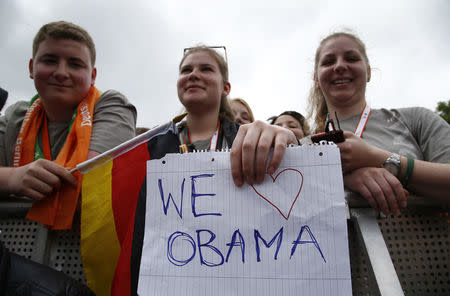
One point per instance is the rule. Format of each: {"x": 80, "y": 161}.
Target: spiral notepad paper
{"x": 285, "y": 236}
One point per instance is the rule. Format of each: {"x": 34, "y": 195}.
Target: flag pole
{"x": 124, "y": 147}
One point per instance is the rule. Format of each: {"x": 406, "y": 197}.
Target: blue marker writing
{"x": 194, "y": 195}
{"x": 184, "y": 237}
{"x": 258, "y": 237}
{"x": 207, "y": 245}
{"x": 170, "y": 198}
{"x": 239, "y": 243}
{"x": 313, "y": 240}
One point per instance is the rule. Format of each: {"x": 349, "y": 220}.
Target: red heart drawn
{"x": 296, "y": 197}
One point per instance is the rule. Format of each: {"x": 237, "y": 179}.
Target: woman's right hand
{"x": 356, "y": 153}
{"x": 381, "y": 189}
{"x": 35, "y": 180}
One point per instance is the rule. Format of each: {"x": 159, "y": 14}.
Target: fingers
{"x": 39, "y": 179}
{"x": 356, "y": 153}
{"x": 368, "y": 196}
{"x": 262, "y": 154}
{"x": 250, "y": 151}
{"x": 380, "y": 188}
{"x": 39, "y": 182}
{"x": 346, "y": 153}
{"x": 377, "y": 193}
{"x": 62, "y": 173}
{"x": 279, "y": 148}
{"x": 387, "y": 195}
{"x": 393, "y": 191}
{"x": 236, "y": 157}
{"x": 360, "y": 181}
{"x": 30, "y": 186}
{"x": 399, "y": 192}
{"x": 249, "y": 145}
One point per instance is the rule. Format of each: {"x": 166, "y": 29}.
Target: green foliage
{"x": 443, "y": 109}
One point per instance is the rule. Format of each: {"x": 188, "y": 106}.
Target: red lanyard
{"x": 213, "y": 143}
{"x": 363, "y": 121}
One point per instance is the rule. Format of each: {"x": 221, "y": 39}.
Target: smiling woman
{"x": 208, "y": 125}
{"x": 203, "y": 88}
{"x": 384, "y": 149}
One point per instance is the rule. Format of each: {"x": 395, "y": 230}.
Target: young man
{"x": 67, "y": 122}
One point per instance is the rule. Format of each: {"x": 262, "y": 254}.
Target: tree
{"x": 443, "y": 109}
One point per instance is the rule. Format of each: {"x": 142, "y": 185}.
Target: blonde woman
{"x": 242, "y": 112}
{"x": 387, "y": 153}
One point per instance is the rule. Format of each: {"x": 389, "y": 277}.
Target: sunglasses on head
{"x": 212, "y": 47}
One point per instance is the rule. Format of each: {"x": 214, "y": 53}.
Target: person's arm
{"x": 92, "y": 154}
{"x": 114, "y": 122}
{"x": 35, "y": 180}
{"x": 427, "y": 179}
{"x": 250, "y": 151}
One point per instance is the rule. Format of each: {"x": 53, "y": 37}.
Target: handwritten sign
{"x": 286, "y": 236}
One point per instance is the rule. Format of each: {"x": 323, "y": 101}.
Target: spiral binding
{"x": 321, "y": 143}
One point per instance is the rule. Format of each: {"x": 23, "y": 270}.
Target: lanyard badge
{"x": 187, "y": 146}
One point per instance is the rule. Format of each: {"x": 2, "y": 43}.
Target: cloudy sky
{"x": 270, "y": 47}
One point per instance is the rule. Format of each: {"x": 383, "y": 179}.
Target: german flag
{"x": 112, "y": 184}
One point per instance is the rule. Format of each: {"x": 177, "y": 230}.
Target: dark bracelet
{"x": 409, "y": 171}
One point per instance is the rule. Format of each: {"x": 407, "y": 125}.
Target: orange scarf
{"x": 57, "y": 210}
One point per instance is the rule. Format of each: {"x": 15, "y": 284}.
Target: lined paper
{"x": 286, "y": 236}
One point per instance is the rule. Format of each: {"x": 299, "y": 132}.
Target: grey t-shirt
{"x": 114, "y": 122}
{"x": 416, "y": 132}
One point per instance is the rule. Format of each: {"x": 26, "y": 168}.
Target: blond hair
{"x": 243, "y": 102}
